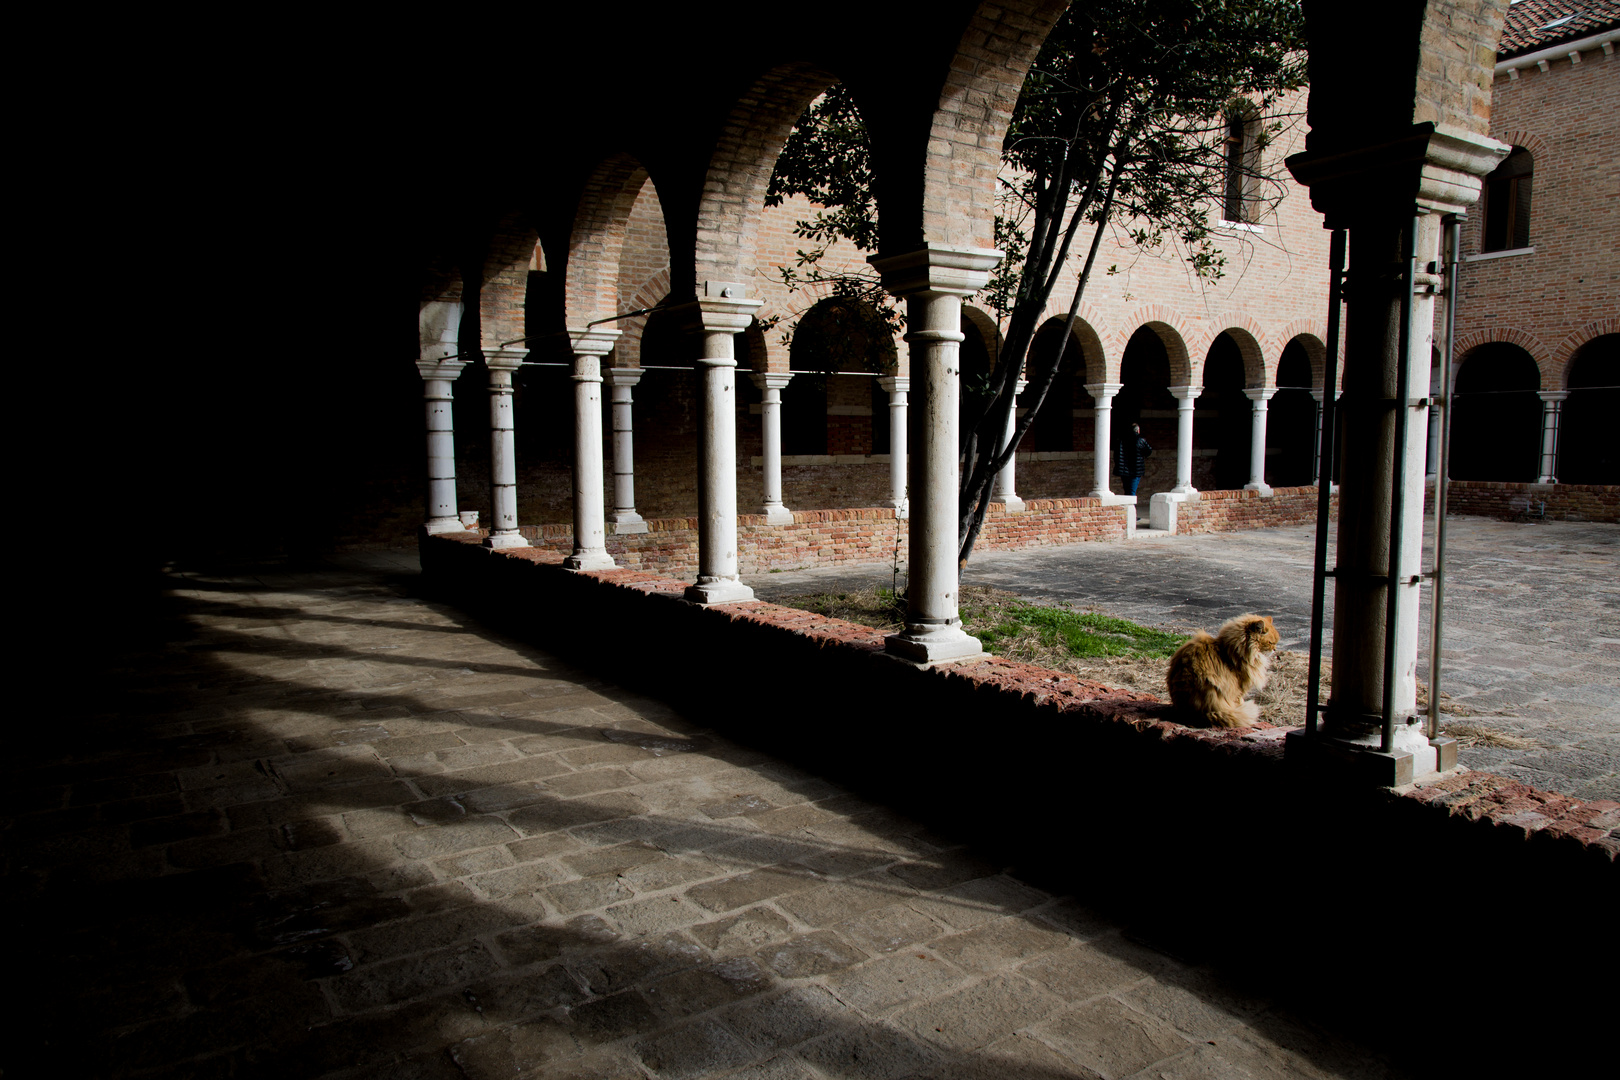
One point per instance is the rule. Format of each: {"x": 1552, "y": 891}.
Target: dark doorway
{"x": 1496, "y": 430}
{"x": 1291, "y": 422}
{"x": 1587, "y": 451}
{"x": 1223, "y": 417}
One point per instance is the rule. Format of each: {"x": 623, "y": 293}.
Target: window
{"x": 1507, "y": 203}
{"x": 1241, "y": 201}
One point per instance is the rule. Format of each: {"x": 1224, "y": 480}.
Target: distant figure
{"x": 1130, "y": 459}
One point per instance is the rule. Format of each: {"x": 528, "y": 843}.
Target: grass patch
{"x": 1082, "y": 633}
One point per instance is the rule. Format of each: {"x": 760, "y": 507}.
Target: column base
{"x": 902, "y": 509}
{"x": 628, "y": 522}
{"x": 1186, "y": 491}
{"x": 434, "y": 526}
{"x": 1013, "y": 503}
{"x": 1162, "y": 510}
{"x": 497, "y": 541}
{"x": 777, "y": 515}
{"x": 1357, "y": 759}
{"x": 719, "y": 591}
{"x": 929, "y": 644}
{"x": 590, "y": 560}
{"x": 1263, "y": 489}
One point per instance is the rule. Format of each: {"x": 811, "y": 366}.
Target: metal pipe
{"x": 1397, "y": 500}
{"x": 1454, "y": 223}
{"x": 1324, "y": 494}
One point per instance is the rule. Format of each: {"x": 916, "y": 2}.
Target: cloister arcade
{"x": 1385, "y": 160}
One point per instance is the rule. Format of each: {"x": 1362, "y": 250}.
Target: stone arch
{"x": 962, "y": 154}
{"x": 591, "y": 278}
{"x": 1551, "y": 373}
{"x": 739, "y": 170}
{"x": 1571, "y": 345}
{"x": 1056, "y": 425}
{"x": 1256, "y": 372}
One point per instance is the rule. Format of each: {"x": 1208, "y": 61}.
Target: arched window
{"x": 1507, "y": 203}
{"x": 1241, "y": 200}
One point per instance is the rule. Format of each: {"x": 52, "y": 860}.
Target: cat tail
{"x": 1222, "y": 713}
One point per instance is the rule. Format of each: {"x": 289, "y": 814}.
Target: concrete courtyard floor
{"x": 1531, "y": 642}
{"x": 306, "y": 823}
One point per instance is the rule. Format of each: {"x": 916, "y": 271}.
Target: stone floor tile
{"x": 699, "y": 1049}
{"x": 741, "y": 890}
{"x": 979, "y": 1013}
{"x": 810, "y": 954}
{"x": 1105, "y": 1036}
{"x": 894, "y": 980}
{"x": 890, "y": 929}
{"x": 743, "y": 933}
{"x": 1086, "y": 970}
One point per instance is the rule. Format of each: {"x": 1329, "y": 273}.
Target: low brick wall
{"x": 1210, "y": 841}
{"x": 1558, "y": 502}
{"x": 1227, "y": 511}
{"x": 835, "y": 537}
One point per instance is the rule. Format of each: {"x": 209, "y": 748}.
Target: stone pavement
{"x": 313, "y": 825}
{"x": 1531, "y": 629}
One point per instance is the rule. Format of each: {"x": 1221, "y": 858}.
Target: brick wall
{"x": 1228, "y": 511}
{"x": 1560, "y": 502}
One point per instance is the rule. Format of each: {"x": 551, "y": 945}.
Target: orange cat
{"x": 1210, "y": 675}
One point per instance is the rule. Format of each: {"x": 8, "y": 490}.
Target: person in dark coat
{"x": 1130, "y": 459}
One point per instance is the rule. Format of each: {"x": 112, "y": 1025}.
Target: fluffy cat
{"x": 1210, "y": 675}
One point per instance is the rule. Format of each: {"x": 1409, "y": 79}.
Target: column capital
{"x": 935, "y": 269}
{"x": 723, "y": 308}
{"x": 1551, "y": 396}
{"x": 593, "y": 340}
{"x": 1259, "y": 393}
{"x": 895, "y": 384}
{"x": 504, "y": 359}
{"x": 1428, "y": 168}
{"x": 1023, "y": 384}
{"x": 1321, "y": 395}
{"x": 1103, "y": 391}
{"x": 771, "y": 380}
{"x": 1185, "y": 393}
{"x": 440, "y": 369}
{"x": 623, "y": 376}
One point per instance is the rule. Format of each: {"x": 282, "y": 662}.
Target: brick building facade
{"x": 1537, "y": 355}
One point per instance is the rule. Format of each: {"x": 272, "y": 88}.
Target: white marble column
{"x": 1257, "y": 438}
{"x": 1103, "y": 395}
{"x": 1552, "y": 408}
{"x": 503, "y": 523}
{"x": 771, "y": 384}
{"x": 625, "y": 518}
{"x": 439, "y": 325}
{"x": 1002, "y": 488}
{"x": 896, "y": 387}
{"x": 590, "y": 344}
{"x": 1185, "y": 397}
{"x": 933, "y": 281}
{"x": 723, "y": 313}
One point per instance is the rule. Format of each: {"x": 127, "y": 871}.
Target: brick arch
{"x": 1540, "y": 150}
{"x": 1249, "y": 347}
{"x": 627, "y": 353}
{"x": 1173, "y": 328}
{"x": 591, "y": 277}
{"x": 1091, "y": 342}
{"x": 1252, "y": 331}
{"x": 1315, "y": 335}
{"x": 1551, "y": 373}
{"x": 963, "y": 151}
{"x": 498, "y": 275}
{"x": 988, "y": 329}
{"x": 739, "y": 170}
{"x": 1570, "y": 345}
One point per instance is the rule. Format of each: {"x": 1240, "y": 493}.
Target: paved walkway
{"x": 316, "y": 826}
{"x": 1532, "y": 623}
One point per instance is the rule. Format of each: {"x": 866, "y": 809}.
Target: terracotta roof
{"x": 1538, "y": 24}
